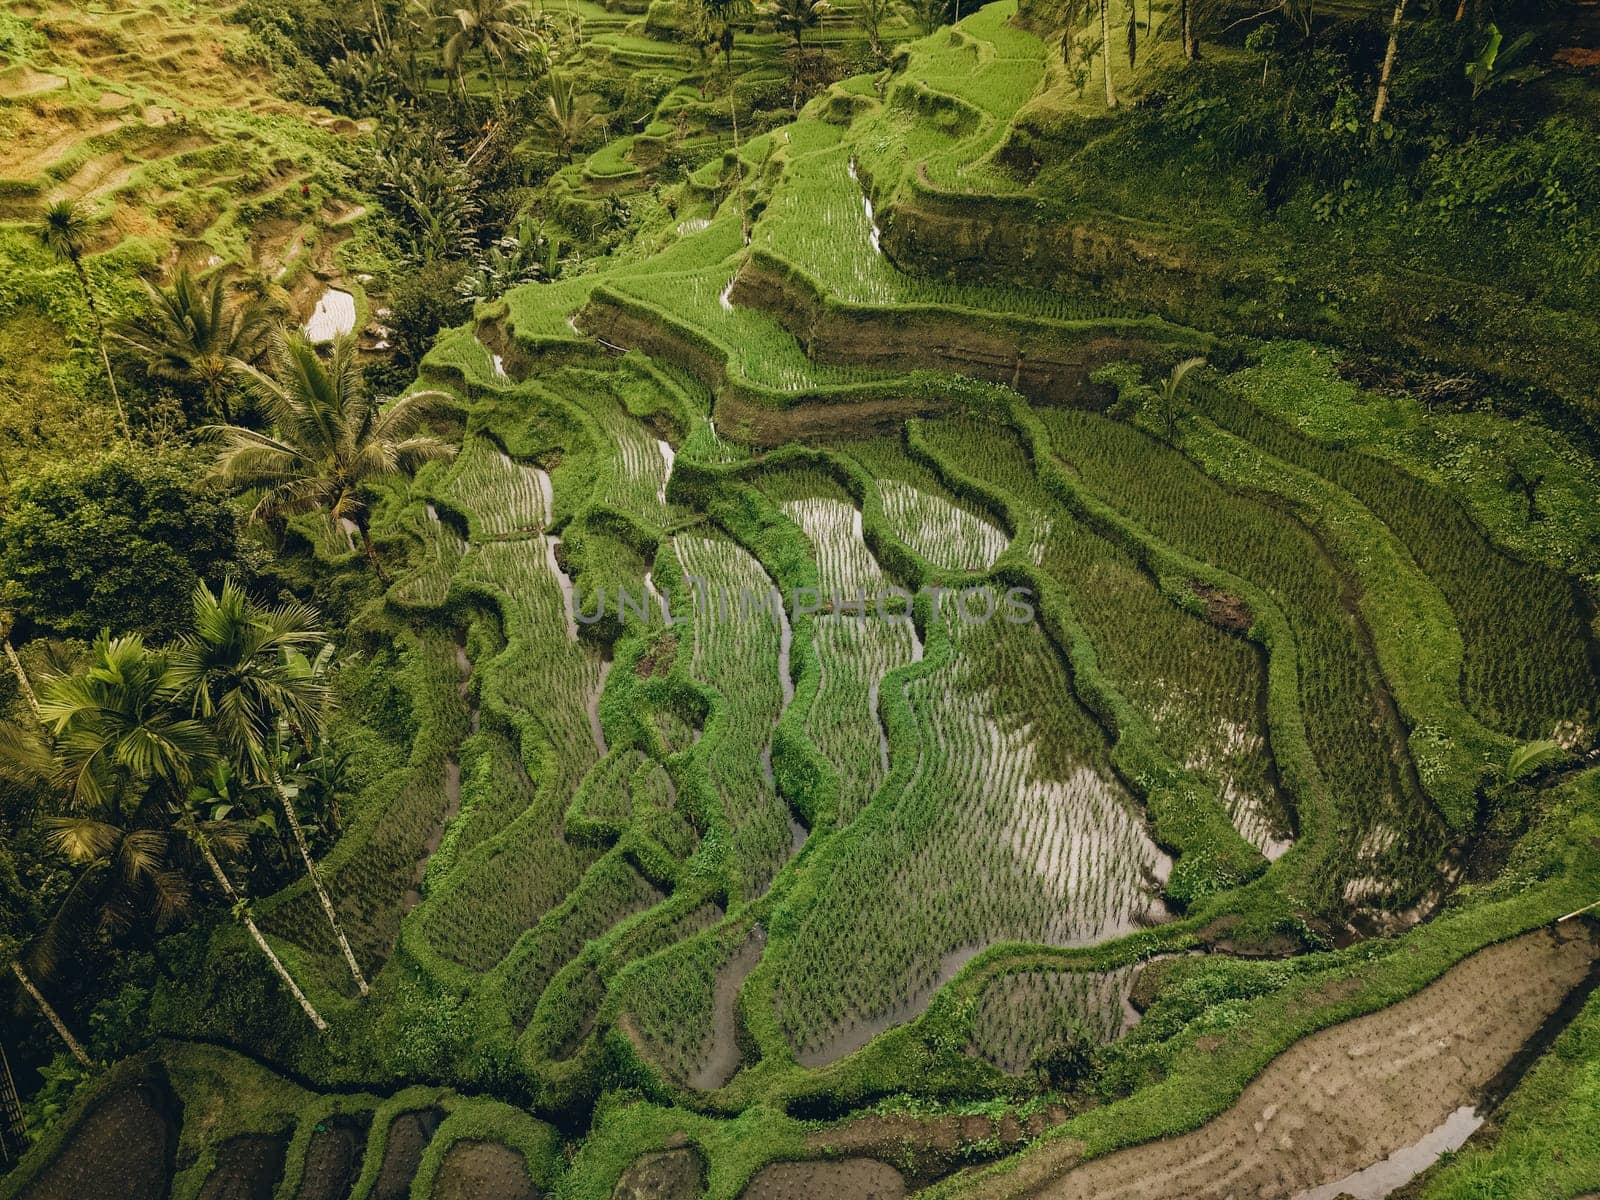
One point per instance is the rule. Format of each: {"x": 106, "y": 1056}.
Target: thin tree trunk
{"x": 22, "y": 679}
{"x": 316, "y": 881}
{"x": 100, "y": 339}
{"x": 255, "y": 933}
{"x": 371, "y": 552}
{"x": 1105, "y": 51}
{"x": 52, "y": 1016}
{"x": 1191, "y": 43}
{"x": 1388, "y": 62}
{"x": 1578, "y": 912}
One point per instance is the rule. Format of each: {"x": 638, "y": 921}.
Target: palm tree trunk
{"x": 316, "y": 881}
{"x": 1578, "y": 912}
{"x": 1105, "y": 50}
{"x": 219, "y": 400}
{"x": 100, "y": 338}
{"x": 255, "y": 933}
{"x": 52, "y": 1016}
{"x": 22, "y": 679}
{"x": 371, "y": 551}
{"x": 1388, "y": 62}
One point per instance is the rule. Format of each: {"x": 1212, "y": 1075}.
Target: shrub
{"x": 118, "y": 540}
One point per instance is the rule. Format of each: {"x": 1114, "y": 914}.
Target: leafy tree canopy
{"x": 118, "y": 541}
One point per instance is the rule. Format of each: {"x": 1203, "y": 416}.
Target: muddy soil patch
{"x": 663, "y": 1175}
{"x": 845, "y": 1179}
{"x": 723, "y": 1057}
{"x": 123, "y": 1148}
{"x": 1347, "y": 1097}
{"x": 248, "y": 1168}
{"x": 409, "y": 1135}
{"x": 333, "y": 1158}
{"x": 483, "y": 1171}
{"x": 1223, "y": 608}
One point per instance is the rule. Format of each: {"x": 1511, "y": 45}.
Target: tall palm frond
{"x": 330, "y": 438}
{"x": 194, "y": 335}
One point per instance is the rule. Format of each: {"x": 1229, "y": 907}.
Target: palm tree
{"x": 100, "y": 818}
{"x": 202, "y": 835}
{"x": 722, "y": 14}
{"x": 490, "y": 26}
{"x": 566, "y": 115}
{"x": 931, "y": 14}
{"x": 257, "y": 281}
{"x": 1172, "y": 391}
{"x": 23, "y": 681}
{"x": 1389, "y": 53}
{"x": 195, "y": 337}
{"x": 869, "y": 17}
{"x": 64, "y": 231}
{"x": 1105, "y": 62}
{"x": 1187, "y": 35}
{"x": 124, "y": 761}
{"x": 331, "y": 439}
{"x": 240, "y": 669}
{"x": 794, "y": 17}
{"x": 74, "y": 1047}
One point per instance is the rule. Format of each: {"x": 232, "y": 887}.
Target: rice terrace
{"x": 769, "y": 599}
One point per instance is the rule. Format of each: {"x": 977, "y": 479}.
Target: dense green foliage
{"x": 114, "y": 542}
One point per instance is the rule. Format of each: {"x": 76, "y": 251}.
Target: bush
{"x": 115, "y": 541}
{"x": 425, "y": 301}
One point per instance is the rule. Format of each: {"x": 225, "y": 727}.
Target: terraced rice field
{"x": 752, "y": 734}
{"x": 763, "y": 823}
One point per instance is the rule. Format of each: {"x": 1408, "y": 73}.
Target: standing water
{"x": 334, "y": 316}
{"x": 668, "y": 457}
{"x": 872, "y": 218}
{"x": 564, "y": 581}
{"x": 1405, "y": 1164}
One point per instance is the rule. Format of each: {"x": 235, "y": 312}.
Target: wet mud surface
{"x": 483, "y": 1171}
{"x": 248, "y": 1168}
{"x": 124, "y": 1148}
{"x": 409, "y": 1136}
{"x": 1348, "y": 1097}
{"x": 333, "y": 1158}
{"x": 663, "y": 1175}
{"x": 845, "y": 1179}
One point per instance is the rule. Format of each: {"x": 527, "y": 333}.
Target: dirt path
{"x": 1344, "y": 1098}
